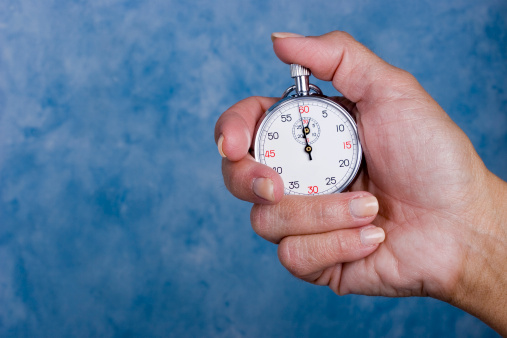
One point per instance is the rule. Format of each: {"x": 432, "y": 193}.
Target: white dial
{"x": 312, "y": 142}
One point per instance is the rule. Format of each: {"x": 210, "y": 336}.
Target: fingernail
{"x": 363, "y": 207}
{"x": 372, "y": 236}
{"x": 263, "y": 187}
{"x": 220, "y": 144}
{"x": 281, "y": 35}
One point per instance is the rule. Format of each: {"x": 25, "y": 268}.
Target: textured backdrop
{"x": 114, "y": 220}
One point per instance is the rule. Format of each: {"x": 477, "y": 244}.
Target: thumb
{"x": 354, "y": 70}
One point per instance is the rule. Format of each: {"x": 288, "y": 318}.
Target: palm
{"x": 416, "y": 182}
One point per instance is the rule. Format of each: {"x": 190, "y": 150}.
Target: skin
{"x": 443, "y": 213}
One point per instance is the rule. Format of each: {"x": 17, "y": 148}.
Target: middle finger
{"x": 302, "y": 215}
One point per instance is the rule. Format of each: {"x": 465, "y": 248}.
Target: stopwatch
{"x": 310, "y": 140}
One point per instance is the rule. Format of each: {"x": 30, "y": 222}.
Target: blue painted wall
{"x": 114, "y": 220}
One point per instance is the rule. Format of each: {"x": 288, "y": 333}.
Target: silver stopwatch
{"x": 310, "y": 140}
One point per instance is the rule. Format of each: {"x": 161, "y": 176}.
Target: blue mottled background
{"x": 114, "y": 220}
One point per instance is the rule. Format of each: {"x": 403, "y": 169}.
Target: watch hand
{"x": 307, "y": 128}
{"x": 308, "y": 149}
{"x": 306, "y": 131}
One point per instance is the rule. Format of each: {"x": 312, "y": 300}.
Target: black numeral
{"x": 286, "y": 118}
{"x": 278, "y": 169}
{"x": 273, "y": 136}
{"x": 324, "y": 114}
{"x": 340, "y": 128}
{"x": 330, "y": 180}
{"x": 344, "y": 163}
{"x": 294, "y": 185}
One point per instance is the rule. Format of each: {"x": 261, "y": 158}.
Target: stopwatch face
{"x": 312, "y": 142}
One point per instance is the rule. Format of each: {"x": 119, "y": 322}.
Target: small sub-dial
{"x": 308, "y": 128}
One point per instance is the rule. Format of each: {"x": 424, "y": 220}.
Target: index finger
{"x": 236, "y": 127}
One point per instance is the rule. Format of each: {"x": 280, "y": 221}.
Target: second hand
{"x": 306, "y": 131}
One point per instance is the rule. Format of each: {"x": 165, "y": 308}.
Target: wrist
{"x": 481, "y": 288}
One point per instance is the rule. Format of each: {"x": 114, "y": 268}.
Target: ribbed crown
{"x": 298, "y": 70}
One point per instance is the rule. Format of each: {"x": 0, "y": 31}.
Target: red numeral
{"x": 269, "y": 153}
{"x": 304, "y": 109}
{"x": 313, "y": 189}
{"x": 347, "y": 145}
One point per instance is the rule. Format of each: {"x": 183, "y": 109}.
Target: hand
{"x": 438, "y": 205}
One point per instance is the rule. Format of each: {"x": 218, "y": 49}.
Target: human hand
{"x": 438, "y": 204}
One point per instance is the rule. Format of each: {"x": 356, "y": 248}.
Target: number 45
{"x": 269, "y": 153}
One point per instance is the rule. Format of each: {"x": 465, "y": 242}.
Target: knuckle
{"x": 291, "y": 212}
{"x": 290, "y": 255}
{"x": 341, "y": 245}
{"x": 256, "y": 218}
{"x": 406, "y": 76}
{"x": 231, "y": 175}
{"x": 227, "y": 173}
{"x": 261, "y": 222}
{"x": 322, "y": 213}
{"x": 238, "y": 177}
{"x": 329, "y": 210}
{"x": 340, "y": 292}
{"x": 342, "y": 35}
